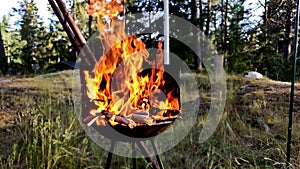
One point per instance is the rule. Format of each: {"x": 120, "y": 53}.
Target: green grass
{"x": 47, "y": 134}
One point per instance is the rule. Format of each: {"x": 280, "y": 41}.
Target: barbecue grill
{"x": 122, "y": 131}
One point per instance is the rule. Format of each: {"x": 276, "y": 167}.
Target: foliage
{"x": 246, "y": 44}
{"x": 29, "y": 32}
{"x": 48, "y": 134}
{"x": 33, "y": 47}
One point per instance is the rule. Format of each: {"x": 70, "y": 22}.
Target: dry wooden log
{"x": 138, "y": 116}
{"x": 140, "y": 112}
{"x": 142, "y": 116}
{"x": 97, "y": 100}
{"x": 142, "y": 119}
{"x": 122, "y": 120}
{"x": 119, "y": 119}
{"x": 172, "y": 118}
{"x": 92, "y": 121}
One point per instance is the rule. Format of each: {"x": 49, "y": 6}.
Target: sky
{"x": 7, "y": 5}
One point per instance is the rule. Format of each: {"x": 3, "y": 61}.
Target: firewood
{"x": 138, "y": 116}
{"x": 92, "y": 121}
{"x": 141, "y": 116}
{"x": 172, "y": 118}
{"x": 142, "y": 119}
{"x": 97, "y": 100}
{"x": 140, "y": 112}
{"x": 122, "y": 120}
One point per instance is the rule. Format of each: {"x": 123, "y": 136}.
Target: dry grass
{"x": 39, "y": 129}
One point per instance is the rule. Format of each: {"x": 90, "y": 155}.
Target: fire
{"x": 119, "y": 83}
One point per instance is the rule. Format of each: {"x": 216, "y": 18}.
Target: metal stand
{"x": 291, "y": 109}
{"x": 133, "y": 156}
{"x": 142, "y": 148}
{"x": 88, "y": 60}
{"x": 157, "y": 156}
{"x": 109, "y": 157}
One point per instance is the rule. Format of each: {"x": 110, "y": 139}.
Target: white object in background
{"x": 252, "y": 74}
{"x": 166, "y": 33}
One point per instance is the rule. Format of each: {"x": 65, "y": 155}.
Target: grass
{"x": 46, "y": 132}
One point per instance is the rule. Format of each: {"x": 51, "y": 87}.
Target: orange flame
{"x": 118, "y": 83}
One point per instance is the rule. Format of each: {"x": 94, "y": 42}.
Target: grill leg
{"x": 133, "y": 156}
{"x": 157, "y": 156}
{"x": 146, "y": 153}
{"x": 109, "y": 157}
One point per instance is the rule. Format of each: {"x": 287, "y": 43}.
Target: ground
{"x": 251, "y": 134}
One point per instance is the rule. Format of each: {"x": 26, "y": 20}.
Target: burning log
{"x": 142, "y": 116}
{"x": 139, "y": 117}
{"x": 172, "y": 118}
{"x": 113, "y": 118}
{"x": 121, "y": 120}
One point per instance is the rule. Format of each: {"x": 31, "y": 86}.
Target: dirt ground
{"x": 262, "y": 103}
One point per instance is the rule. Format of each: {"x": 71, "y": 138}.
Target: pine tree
{"x": 29, "y": 29}
{"x": 3, "y": 58}
{"x": 12, "y": 45}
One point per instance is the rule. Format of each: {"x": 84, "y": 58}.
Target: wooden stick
{"x": 138, "y": 116}
{"x": 140, "y": 112}
{"x": 166, "y": 118}
{"x": 122, "y": 120}
{"x": 93, "y": 121}
{"x": 142, "y": 119}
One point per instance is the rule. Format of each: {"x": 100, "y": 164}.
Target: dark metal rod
{"x": 108, "y": 160}
{"x": 71, "y": 21}
{"x": 90, "y": 21}
{"x": 146, "y": 153}
{"x": 133, "y": 155}
{"x": 90, "y": 26}
{"x": 291, "y": 110}
{"x": 73, "y": 32}
{"x": 65, "y": 25}
{"x": 109, "y": 157}
{"x": 161, "y": 166}
{"x": 75, "y": 29}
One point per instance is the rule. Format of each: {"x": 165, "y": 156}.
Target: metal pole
{"x": 143, "y": 149}
{"x": 291, "y": 110}
{"x": 110, "y": 153}
{"x": 73, "y": 32}
{"x": 90, "y": 22}
{"x": 133, "y": 155}
{"x": 166, "y": 33}
{"x": 161, "y": 166}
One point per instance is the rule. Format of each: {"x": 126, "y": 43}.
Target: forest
{"x": 265, "y": 43}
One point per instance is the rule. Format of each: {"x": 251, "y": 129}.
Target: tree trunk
{"x": 200, "y": 15}
{"x": 287, "y": 34}
{"x": 197, "y": 59}
{"x": 194, "y": 10}
{"x": 208, "y": 18}
{"x": 266, "y": 19}
{"x": 225, "y": 25}
{"x": 3, "y": 58}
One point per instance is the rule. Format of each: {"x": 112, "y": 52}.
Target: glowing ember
{"x": 119, "y": 85}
